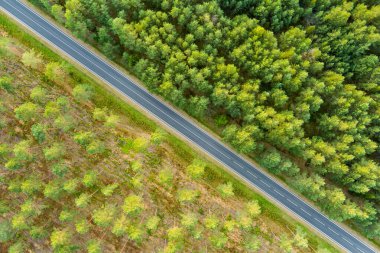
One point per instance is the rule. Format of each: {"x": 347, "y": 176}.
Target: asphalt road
{"x": 238, "y": 165}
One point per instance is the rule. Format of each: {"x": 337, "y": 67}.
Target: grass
{"x": 105, "y": 98}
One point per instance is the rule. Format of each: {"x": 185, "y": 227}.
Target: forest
{"x": 82, "y": 172}
{"x": 294, "y": 84}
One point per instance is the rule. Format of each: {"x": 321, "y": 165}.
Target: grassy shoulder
{"x": 214, "y": 175}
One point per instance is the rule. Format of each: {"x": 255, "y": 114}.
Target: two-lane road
{"x": 166, "y": 115}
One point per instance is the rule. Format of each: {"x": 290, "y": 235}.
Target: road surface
{"x": 168, "y": 116}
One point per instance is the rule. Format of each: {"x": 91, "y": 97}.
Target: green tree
{"x": 82, "y": 226}
{"x": 38, "y": 232}
{"x": 252, "y": 244}
{"x": 59, "y": 169}
{"x": 253, "y": 208}
{"x": 17, "y": 247}
{"x": 22, "y": 151}
{"x": 94, "y": 246}
{"x": 26, "y": 112}
{"x": 32, "y": 59}
{"x": 133, "y": 205}
{"x": 54, "y": 152}
{"x": 82, "y": 92}
{"x": 6, "y": 231}
{"x": 82, "y": 200}
{"x": 219, "y": 240}
{"x": 286, "y": 244}
{"x": 120, "y": 226}
{"x": 226, "y": 190}
{"x": 84, "y": 138}
{"x": 96, "y": 147}
{"x": 189, "y": 220}
{"x": 187, "y": 195}
{"x": 20, "y": 222}
{"x": 90, "y": 178}
{"x": 54, "y": 72}
{"x": 300, "y": 239}
{"x": 64, "y": 123}
{"x": 60, "y": 238}
{"x": 31, "y": 185}
{"x": 39, "y": 132}
{"x": 165, "y": 177}
{"x": 71, "y": 185}
{"x": 67, "y": 215}
{"x": 109, "y": 189}
{"x": 53, "y": 190}
{"x": 104, "y": 216}
{"x": 100, "y": 114}
{"x": 211, "y": 222}
{"x": 6, "y": 83}
{"x": 112, "y": 120}
{"x": 58, "y": 13}
{"x": 152, "y": 223}
{"x": 196, "y": 169}
{"x": 38, "y": 94}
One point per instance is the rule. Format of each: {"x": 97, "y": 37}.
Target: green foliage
{"x": 196, "y": 169}
{"x": 109, "y": 189}
{"x": 38, "y": 94}
{"x": 22, "y": 152}
{"x": 120, "y": 226}
{"x": 100, "y": 114}
{"x": 39, "y": 132}
{"x": 20, "y": 222}
{"x": 187, "y": 195}
{"x": 82, "y": 200}
{"x": 53, "y": 190}
{"x": 32, "y": 59}
{"x": 82, "y": 226}
{"x": 38, "y": 232}
{"x": 18, "y": 247}
{"x": 59, "y": 169}
{"x": 6, "y": 231}
{"x": 211, "y": 222}
{"x": 226, "y": 190}
{"x": 112, "y": 120}
{"x": 67, "y": 215}
{"x": 253, "y": 208}
{"x": 300, "y": 239}
{"x": 26, "y": 112}
{"x": 54, "y": 152}
{"x": 54, "y": 72}
{"x": 152, "y": 223}
{"x": 31, "y": 185}
{"x": 94, "y": 246}
{"x": 90, "y": 178}
{"x": 219, "y": 240}
{"x": 64, "y": 122}
{"x": 82, "y": 92}
{"x": 133, "y": 205}
{"x": 71, "y": 186}
{"x": 252, "y": 244}
{"x": 60, "y": 238}
{"x": 104, "y": 216}
{"x": 84, "y": 138}
{"x": 286, "y": 244}
{"x": 95, "y": 147}
{"x": 189, "y": 220}
{"x": 165, "y": 177}
{"x": 6, "y": 83}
